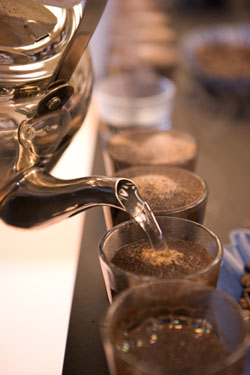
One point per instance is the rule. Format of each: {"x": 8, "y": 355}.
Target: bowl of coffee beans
{"x": 219, "y": 57}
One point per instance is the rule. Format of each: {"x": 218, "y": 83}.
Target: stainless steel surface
{"x": 39, "y": 198}
{"x": 92, "y": 12}
{"x": 32, "y": 40}
{"x": 24, "y": 22}
{"x": 29, "y": 141}
{"x": 46, "y": 82}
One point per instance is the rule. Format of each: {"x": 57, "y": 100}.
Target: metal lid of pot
{"x": 32, "y": 39}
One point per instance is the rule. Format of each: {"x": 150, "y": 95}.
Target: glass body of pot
{"x": 27, "y": 140}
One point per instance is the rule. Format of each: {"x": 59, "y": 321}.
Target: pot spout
{"x": 39, "y": 198}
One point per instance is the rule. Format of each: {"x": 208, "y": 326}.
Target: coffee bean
{"x": 214, "y": 58}
{"x": 245, "y": 280}
{"x": 243, "y": 303}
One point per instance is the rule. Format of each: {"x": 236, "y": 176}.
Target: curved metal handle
{"x": 92, "y": 12}
{"x": 59, "y": 90}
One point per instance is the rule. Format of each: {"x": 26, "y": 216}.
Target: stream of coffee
{"x": 139, "y": 209}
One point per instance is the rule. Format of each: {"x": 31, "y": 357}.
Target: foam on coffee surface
{"x": 161, "y": 257}
{"x": 157, "y": 187}
{"x": 166, "y": 188}
{"x": 179, "y": 259}
{"x": 151, "y": 147}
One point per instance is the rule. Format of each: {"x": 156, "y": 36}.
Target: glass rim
{"x": 168, "y": 91}
{"x": 145, "y": 278}
{"x": 208, "y": 370}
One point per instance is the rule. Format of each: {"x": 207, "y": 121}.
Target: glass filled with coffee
{"x": 132, "y": 100}
{"x": 127, "y": 258}
{"x": 142, "y": 147}
{"x": 175, "y": 327}
{"x": 168, "y": 191}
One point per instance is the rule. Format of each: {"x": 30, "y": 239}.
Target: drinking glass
{"x": 175, "y": 327}
{"x": 168, "y": 191}
{"x": 154, "y": 147}
{"x": 134, "y": 99}
{"x": 118, "y": 278}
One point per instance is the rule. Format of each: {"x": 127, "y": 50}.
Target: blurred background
{"x": 203, "y": 46}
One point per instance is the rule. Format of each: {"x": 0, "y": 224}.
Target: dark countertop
{"x": 223, "y": 134}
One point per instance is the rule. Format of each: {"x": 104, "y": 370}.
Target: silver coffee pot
{"x": 45, "y": 88}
